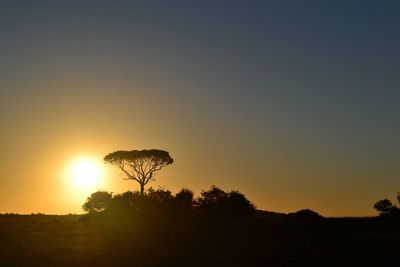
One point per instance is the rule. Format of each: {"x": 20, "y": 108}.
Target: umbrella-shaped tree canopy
{"x": 140, "y": 165}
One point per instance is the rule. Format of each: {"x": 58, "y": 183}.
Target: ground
{"x": 265, "y": 240}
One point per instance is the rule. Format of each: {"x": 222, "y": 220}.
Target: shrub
{"x": 306, "y": 215}
{"x": 217, "y": 203}
{"x": 97, "y": 202}
{"x": 385, "y": 207}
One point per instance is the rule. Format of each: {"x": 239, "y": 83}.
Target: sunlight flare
{"x": 85, "y": 173}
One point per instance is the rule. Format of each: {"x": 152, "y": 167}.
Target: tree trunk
{"x": 141, "y": 189}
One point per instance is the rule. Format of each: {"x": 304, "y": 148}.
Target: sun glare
{"x": 85, "y": 173}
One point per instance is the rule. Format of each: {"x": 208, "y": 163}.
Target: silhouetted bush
{"x": 185, "y": 196}
{"x": 386, "y": 208}
{"x": 126, "y": 201}
{"x": 212, "y": 202}
{"x": 182, "y": 203}
{"x": 154, "y": 202}
{"x": 160, "y": 202}
{"x": 217, "y": 203}
{"x": 97, "y": 202}
{"x": 160, "y": 196}
{"x": 239, "y": 204}
{"x": 305, "y": 215}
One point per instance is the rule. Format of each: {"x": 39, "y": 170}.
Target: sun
{"x": 85, "y": 173}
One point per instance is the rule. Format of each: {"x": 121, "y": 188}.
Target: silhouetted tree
{"x": 212, "y": 196}
{"x": 210, "y": 202}
{"x": 140, "y": 165}
{"x": 216, "y": 202}
{"x": 239, "y": 205}
{"x": 185, "y": 196}
{"x": 161, "y": 196}
{"x": 97, "y": 202}
{"x": 126, "y": 201}
{"x": 183, "y": 202}
{"x": 384, "y": 207}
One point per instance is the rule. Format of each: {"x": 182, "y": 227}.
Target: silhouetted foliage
{"x": 305, "y": 215}
{"x": 97, "y": 202}
{"x": 185, "y": 197}
{"x": 183, "y": 203}
{"x": 160, "y": 196}
{"x": 156, "y": 202}
{"x": 160, "y": 202}
{"x": 239, "y": 205}
{"x": 140, "y": 165}
{"x": 213, "y": 196}
{"x": 386, "y": 208}
{"x": 217, "y": 203}
{"x": 125, "y": 201}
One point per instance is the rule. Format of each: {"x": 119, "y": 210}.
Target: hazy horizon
{"x": 294, "y": 104}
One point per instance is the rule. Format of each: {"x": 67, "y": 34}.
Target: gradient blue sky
{"x": 293, "y": 103}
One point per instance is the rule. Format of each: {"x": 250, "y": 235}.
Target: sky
{"x": 293, "y": 103}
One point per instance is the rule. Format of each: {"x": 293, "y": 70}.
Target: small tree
{"x": 384, "y": 206}
{"x": 212, "y": 197}
{"x": 160, "y": 196}
{"x": 185, "y": 196}
{"x": 216, "y": 202}
{"x": 183, "y": 201}
{"x": 239, "y": 205}
{"x": 97, "y": 202}
{"x": 140, "y": 165}
{"x": 126, "y": 200}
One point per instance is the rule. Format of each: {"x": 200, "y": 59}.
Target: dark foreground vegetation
{"x": 386, "y": 208}
{"x": 217, "y": 229}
